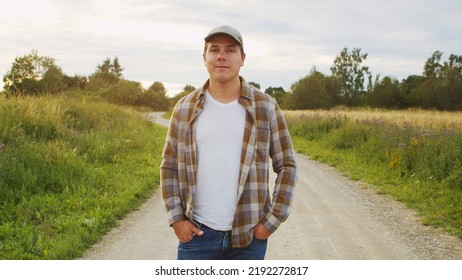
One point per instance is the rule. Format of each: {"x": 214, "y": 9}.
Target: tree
{"x": 32, "y": 74}
{"x": 348, "y": 67}
{"x": 428, "y": 94}
{"x": 254, "y": 84}
{"x": 408, "y": 85}
{"x": 333, "y": 86}
{"x": 442, "y": 85}
{"x": 105, "y": 66}
{"x": 158, "y": 87}
{"x": 76, "y": 81}
{"x": 124, "y": 92}
{"x": 155, "y": 97}
{"x": 113, "y": 67}
{"x": 277, "y": 93}
{"x": 386, "y": 94}
{"x": 117, "y": 68}
{"x": 186, "y": 90}
{"x": 452, "y": 80}
{"x": 53, "y": 80}
{"x": 108, "y": 73}
{"x": 309, "y": 93}
{"x": 432, "y": 68}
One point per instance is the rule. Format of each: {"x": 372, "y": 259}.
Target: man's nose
{"x": 221, "y": 55}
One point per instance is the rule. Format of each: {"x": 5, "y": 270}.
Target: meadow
{"x": 71, "y": 166}
{"x": 414, "y": 156}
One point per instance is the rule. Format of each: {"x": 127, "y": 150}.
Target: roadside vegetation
{"x": 70, "y": 167}
{"x": 413, "y": 156}
{"x": 76, "y": 153}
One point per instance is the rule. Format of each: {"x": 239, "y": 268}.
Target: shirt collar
{"x": 246, "y": 90}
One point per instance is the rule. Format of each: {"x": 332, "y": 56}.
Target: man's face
{"x": 223, "y": 58}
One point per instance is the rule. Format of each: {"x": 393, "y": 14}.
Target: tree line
{"x": 33, "y": 74}
{"x": 350, "y": 84}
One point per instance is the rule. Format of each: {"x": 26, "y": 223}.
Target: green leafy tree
{"x": 454, "y": 63}
{"x": 158, "y": 87}
{"x": 33, "y": 74}
{"x": 386, "y": 94}
{"x": 442, "y": 85}
{"x": 452, "y": 79}
{"x": 74, "y": 82}
{"x": 278, "y": 93}
{"x": 124, "y": 92}
{"x": 254, "y": 84}
{"x": 428, "y": 94}
{"x": 105, "y": 66}
{"x": 409, "y": 85}
{"x": 53, "y": 80}
{"x": 433, "y": 66}
{"x": 116, "y": 68}
{"x": 186, "y": 90}
{"x": 309, "y": 93}
{"x": 107, "y": 73}
{"x": 349, "y": 69}
{"x": 333, "y": 86}
{"x": 155, "y": 98}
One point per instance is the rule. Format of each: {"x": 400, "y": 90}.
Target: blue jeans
{"x": 216, "y": 245}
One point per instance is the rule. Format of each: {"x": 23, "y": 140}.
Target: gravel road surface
{"x": 333, "y": 218}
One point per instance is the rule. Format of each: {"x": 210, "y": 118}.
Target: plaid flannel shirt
{"x": 265, "y": 136}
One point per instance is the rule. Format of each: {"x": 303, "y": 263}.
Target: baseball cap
{"x": 227, "y": 30}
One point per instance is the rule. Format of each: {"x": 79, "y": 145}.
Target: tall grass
{"x": 70, "y": 167}
{"x": 419, "y": 163}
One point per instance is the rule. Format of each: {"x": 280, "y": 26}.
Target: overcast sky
{"x": 163, "y": 40}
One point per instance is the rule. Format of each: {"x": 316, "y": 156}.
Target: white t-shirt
{"x": 219, "y": 137}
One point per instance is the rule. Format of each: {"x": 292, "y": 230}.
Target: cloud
{"x": 163, "y": 40}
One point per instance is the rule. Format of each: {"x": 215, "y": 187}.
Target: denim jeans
{"x": 216, "y": 245}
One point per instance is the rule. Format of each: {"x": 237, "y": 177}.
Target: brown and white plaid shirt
{"x": 265, "y": 136}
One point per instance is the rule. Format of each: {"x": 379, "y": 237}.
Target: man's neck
{"x": 225, "y": 92}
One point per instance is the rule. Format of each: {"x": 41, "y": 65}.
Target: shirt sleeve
{"x": 169, "y": 173}
{"x": 284, "y": 165}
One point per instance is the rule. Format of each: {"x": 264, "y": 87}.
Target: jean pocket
{"x": 260, "y": 240}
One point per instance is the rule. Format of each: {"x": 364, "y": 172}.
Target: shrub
{"x": 69, "y": 169}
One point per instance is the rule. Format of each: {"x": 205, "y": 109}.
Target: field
{"x": 414, "y": 156}
{"x": 70, "y": 167}
{"x": 433, "y": 120}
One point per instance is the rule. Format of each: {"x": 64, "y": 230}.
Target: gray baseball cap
{"x": 227, "y": 30}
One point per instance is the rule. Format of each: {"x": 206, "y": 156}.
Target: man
{"x": 215, "y": 164}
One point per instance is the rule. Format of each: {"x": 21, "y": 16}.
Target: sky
{"x": 160, "y": 40}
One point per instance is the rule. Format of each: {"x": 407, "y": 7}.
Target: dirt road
{"x": 333, "y": 218}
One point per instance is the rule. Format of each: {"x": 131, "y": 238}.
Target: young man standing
{"x": 215, "y": 164}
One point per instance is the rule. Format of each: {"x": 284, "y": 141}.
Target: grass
{"x": 414, "y": 156}
{"x": 70, "y": 168}
{"x": 425, "y": 119}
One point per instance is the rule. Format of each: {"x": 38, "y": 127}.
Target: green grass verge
{"x": 70, "y": 168}
{"x": 421, "y": 168}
